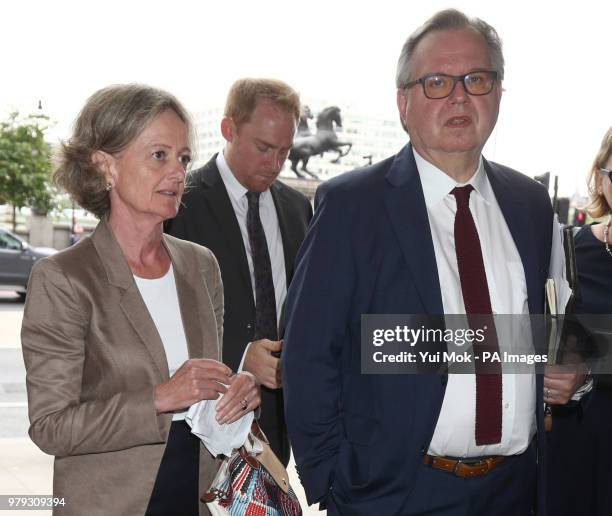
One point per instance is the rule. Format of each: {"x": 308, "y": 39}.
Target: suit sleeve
{"x": 54, "y": 341}
{"x": 318, "y": 304}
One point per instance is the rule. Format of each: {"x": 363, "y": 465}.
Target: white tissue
{"x": 218, "y": 439}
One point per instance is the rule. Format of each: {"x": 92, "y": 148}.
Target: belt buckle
{"x": 457, "y": 464}
{"x": 483, "y": 466}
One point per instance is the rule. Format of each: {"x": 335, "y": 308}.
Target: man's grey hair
{"x": 450, "y": 19}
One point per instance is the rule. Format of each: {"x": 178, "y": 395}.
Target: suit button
{"x": 444, "y": 379}
{"x": 249, "y": 326}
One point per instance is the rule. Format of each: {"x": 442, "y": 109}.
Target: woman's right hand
{"x": 197, "y": 379}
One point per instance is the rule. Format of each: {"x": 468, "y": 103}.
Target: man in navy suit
{"x": 435, "y": 229}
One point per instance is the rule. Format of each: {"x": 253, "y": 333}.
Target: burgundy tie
{"x": 477, "y": 302}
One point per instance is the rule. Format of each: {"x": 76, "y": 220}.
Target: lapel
{"x": 515, "y": 212}
{"x": 225, "y": 222}
{"x": 199, "y": 322}
{"x": 290, "y": 237}
{"x": 119, "y": 275}
{"x": 405, "y": 204}
{"x": 133, "y": 306}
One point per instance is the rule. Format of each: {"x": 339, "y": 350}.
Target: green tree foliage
{"x": 25, "y": 163}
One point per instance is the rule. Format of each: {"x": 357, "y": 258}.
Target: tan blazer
{"x": 93, "y": 357}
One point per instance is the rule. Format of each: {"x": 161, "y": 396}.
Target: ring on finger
{"x": 244, "y": 404}
{"x": 547, "y": 392}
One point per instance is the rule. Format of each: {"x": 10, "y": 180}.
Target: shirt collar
{"x": 436, "y": 184}
{"x": 232, "y": 185}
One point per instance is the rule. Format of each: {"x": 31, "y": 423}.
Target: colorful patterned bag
{"x": 252, "y": 482}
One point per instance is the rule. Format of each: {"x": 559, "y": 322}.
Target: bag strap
{"x": 258, "y": 432}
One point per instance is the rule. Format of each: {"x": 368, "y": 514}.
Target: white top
{"x": 162, "y": 302}
{"x": 269, "y": 221}
{"x": 454, "y": 433}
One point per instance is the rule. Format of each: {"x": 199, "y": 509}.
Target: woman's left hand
{"x": 241, "y": 397}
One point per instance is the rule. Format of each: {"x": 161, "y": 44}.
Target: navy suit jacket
{"x": 369, "y": 250}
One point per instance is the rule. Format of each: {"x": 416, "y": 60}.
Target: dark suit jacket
{"x": 207, "y": 217}
{"x": 369, "y": 250}
{"x": 93, "y": 357}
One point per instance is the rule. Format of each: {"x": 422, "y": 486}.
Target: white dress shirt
{"x": 454, "y": 435}
{"x": 269, "y": 221}
{"x": 162, "y": 302}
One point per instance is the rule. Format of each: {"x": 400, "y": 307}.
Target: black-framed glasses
{"x": 604, "y": 172}
{"x": 441, "y": 85}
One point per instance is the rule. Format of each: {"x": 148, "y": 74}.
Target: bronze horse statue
{"x": 324, "y": 140}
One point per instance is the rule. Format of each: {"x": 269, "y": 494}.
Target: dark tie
{"x": 477, "y": 302}
{"x": 265, "y": 300}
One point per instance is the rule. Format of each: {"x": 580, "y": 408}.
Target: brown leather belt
{"x": 464, "y": 467}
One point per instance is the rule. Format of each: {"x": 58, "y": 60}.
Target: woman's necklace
{"x": 606, "y": 227}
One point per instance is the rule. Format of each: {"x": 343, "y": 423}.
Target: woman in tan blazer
{"x": 122, "y": 332}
